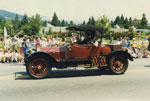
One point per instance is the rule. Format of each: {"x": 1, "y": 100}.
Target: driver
{"x": 86, "y": 40}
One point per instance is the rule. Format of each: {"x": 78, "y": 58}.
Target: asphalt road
{"x": 76, "y": 85}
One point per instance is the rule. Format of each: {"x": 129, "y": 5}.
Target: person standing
{"x": 139, "y": 44}
{"x": 7, "y": 43}
{"x": 15, "y": 41}
{"x": 149, "y": 44}
{"x": 30, "y": 44}
{"x": 63, "y": 41}
{"x": 145, "y": 43}
{"x": 134, "y": 43}
{"x": 128, "y": 44}
{"x": 38, "y": 44}
{"x": 124, "y": 43}
{"x": 43, "y": 42}
{"x": 1, "y": 55}
{"x": 24, "y": 46}
{"x": 111, "y": 40}
{"x": 118, "y": 42}
{"x": 20, "y": 41}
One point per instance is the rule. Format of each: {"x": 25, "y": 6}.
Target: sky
{"x": 79, "y": 10}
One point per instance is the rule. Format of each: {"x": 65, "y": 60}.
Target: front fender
{"x": 55, "y": 63}
{"x": 123, "y": 53}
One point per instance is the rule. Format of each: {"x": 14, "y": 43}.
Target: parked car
{"x": 40, "y": 63}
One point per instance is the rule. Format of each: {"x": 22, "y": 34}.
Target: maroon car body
{"x": 38, "y": 64}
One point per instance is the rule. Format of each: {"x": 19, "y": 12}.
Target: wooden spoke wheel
{"x": 38, "y": 68}
{"x": 118, "y": 64}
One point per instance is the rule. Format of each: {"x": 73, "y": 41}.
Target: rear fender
{"x": 122, "y": 53}
{"x": 48, "y": 56}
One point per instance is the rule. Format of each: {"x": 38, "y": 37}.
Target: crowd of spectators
{"x": 14, "y": 47}
{"x": 137, "y": 47}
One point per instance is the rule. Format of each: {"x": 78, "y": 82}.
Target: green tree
{"x": 26, "y": 29}
{"x": 44, "y": 24}
{"x": 126, "y": 23}
{"x": 131, "y": 33}
{"x": 9, "y": 25}
{"x": 1, "y": 31}
{"x": 130, "y": 22}
{"x": 136, "y": 23}
{"x": 91, "y": 21}
{"x": 2, "y": 23}
{"x": 49, "y": 31}
{"x": 84, "y": 23}
{"x": 25, "y": 20}
{"x": 43, "y": 31}
{"x": 55, "y": 21}
{"x": 36, "y": 24}
{"x": 117, "y": 21}
{"x": 121, "y": 20}
{"x": 63, "y": 23}
{"x": 25, "y": 26}
{"x": 16, "y": 23}
{"x": 49, "y": 22}
{"x": 144, "y": 22}
{"x": 71, "y": 23}
{"x": 12, "y": 32}
{"x": 103, "y": 21}
{"x": 67, "y": 23}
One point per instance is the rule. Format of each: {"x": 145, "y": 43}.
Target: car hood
{"x": 52, "y": 49}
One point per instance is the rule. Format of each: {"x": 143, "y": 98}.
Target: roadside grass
{"x": 107, "y": 41}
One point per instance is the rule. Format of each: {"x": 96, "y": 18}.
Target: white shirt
{"x": 118, "y": 42}
{"x": 95, "y": 44}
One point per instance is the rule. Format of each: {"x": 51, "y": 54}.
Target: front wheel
{"x": 118, "y": 64}
{"x": 38, "y": 67}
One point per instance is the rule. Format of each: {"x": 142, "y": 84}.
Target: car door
{"x": 82, "y": 52}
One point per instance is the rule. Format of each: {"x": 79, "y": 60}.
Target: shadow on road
{"x": 65, "y": 74}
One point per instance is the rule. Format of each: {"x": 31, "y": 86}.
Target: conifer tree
{"x": 126, "y": 23}
{"x": 25, "y": 20}
{"x": 117, "y": 20}
{"x": 55, "y": 21}
{"x": 144, "y": 21}
{"x": 130, "y": 22}
{"x": 63, "y": 23}
{"x": 71, "y": 23}
{"x": 16, "y": 23}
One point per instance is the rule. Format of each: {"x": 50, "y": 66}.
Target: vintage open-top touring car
{"x": 83, "y": 53}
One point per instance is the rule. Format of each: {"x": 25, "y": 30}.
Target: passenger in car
{"x": 86, "y": 40}
{"x": 94, "y": 41}
{"x": 78, "y": 38}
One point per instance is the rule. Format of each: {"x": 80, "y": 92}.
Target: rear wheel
{"x": 118, "y": 64}
{"x": 38, "y": 67}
